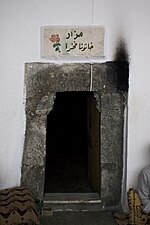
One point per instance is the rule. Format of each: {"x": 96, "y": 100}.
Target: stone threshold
{"x": 73, "y": 202}
{"x": 72, "y": 198}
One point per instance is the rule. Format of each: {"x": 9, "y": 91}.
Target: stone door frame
{"x": 42, "y": 81}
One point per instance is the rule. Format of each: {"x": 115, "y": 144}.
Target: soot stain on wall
{"x": 122, "y": 65}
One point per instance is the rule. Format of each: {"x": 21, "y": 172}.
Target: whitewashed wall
{"x": 20, "y": 23}
{"x": 139, "y": 92}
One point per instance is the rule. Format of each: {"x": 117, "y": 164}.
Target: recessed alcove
{"x": 90, "y": 94}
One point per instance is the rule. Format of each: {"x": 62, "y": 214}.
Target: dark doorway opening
{"x": 69, "y": 143}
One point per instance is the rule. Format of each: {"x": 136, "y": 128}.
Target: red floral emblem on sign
{"x": 55, "y": 39}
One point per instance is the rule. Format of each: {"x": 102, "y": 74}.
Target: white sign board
{"x": 72, "y": 41}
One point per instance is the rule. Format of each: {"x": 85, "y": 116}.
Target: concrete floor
{"x": 79, "y": 218}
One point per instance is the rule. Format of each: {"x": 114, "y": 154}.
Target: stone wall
{"x": 42, "y": 81}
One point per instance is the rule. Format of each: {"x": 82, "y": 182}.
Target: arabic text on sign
{"x": 74, "y": 35}
{"x": 80, "y": 46}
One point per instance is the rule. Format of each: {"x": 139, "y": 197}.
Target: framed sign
{"x": 72, "y": 41}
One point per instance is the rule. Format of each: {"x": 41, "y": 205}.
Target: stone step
{"x": 71, "y": 202}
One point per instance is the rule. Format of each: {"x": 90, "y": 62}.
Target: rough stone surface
{"x": 42, "y": 81}
{"x": 79, "y": 218}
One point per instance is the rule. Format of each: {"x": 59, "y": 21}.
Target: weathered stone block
{"x": 42, "y": 81}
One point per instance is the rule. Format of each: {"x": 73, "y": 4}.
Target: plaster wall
{"x": 20, "y": 23}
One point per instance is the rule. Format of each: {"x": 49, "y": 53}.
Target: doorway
{"x": 42, "y": 82}
{"x": 72, "y": 144}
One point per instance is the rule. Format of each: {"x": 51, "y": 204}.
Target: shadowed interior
{"x": 67, "y": 146}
